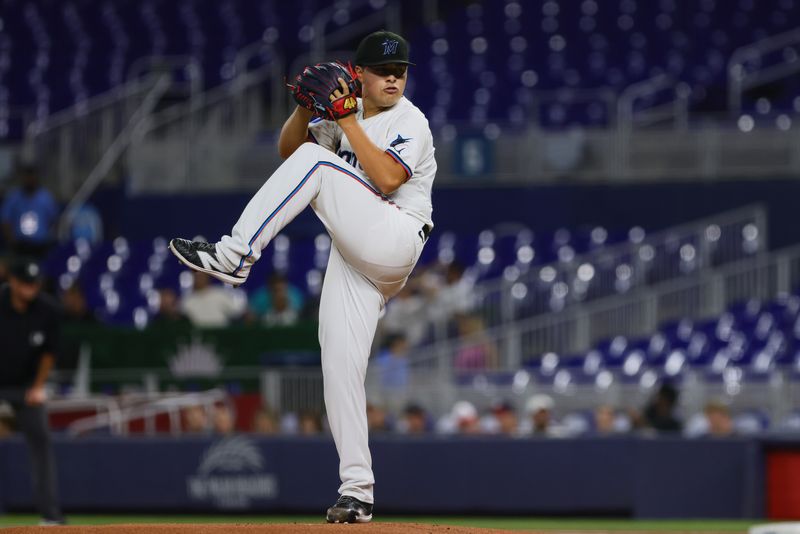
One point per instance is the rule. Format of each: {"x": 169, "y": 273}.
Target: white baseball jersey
{"x": 403, "y": 132}
{"x": 376, "y": 242}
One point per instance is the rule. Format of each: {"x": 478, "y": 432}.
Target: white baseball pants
{"x": 374, "y": 248}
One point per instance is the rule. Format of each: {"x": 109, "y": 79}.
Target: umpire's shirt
{"x": 25, "y": 338}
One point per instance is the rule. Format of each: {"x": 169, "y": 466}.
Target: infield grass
{"x": 509, "y": 523}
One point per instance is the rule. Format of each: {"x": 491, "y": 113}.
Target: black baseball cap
{"x": 381, "y": 48}
{"x": 25, "y": 269}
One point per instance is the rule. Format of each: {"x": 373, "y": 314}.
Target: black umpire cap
{"x": 25, "y": 270}
{"x": 381, "y": 48}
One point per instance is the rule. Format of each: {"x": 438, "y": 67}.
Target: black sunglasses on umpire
{"x": 398, "y": 71}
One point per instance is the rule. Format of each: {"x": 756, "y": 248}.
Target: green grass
{"x": 510, "y": 523}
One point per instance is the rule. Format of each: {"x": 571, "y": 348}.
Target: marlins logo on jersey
{"x": 399, "y": 141}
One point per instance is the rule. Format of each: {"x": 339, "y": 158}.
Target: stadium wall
{"x": 470, "y": 209}
{"x": 634, "y": 477}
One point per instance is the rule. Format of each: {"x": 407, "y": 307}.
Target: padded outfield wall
{"x": 631, "y": 477}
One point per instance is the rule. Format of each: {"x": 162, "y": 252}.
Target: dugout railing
{"x": 118, "y": 415}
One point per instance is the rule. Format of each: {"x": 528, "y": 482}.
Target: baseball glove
{"x": 312, "y": 89}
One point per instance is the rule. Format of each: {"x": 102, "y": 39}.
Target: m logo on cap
{"x": 389, "y": 47}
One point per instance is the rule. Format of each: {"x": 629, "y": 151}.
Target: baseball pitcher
{"x": 366, "y": 167}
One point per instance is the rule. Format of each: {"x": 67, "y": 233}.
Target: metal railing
{"x": 293, "y": 390}
{"x": 68, "y": 144}
{"x": 435, "y": 370}
{"x": 215, "y": 144}
{"x": 205, "y": 146}
{"x": 676, "y": 110}
{"x": 689, "y": 249}
{"x": 713, "y": 148}
{"x": 223, "y": 139}
{"x": 106, "y": 408}
{"x": 629, "y": 118}
{"x": 740, "y": 79}
{"x": 577, "y": 329}
{"x": 145, "y": 408}
{"x": 388, "y": 17}
{"x": 775, "y": 395}
{"x": 112, "y": 154}
{"x": 283, "y": 389}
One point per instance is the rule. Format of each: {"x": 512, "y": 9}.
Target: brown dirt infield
{"x": 286, "y": 528}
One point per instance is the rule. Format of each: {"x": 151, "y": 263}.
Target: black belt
{"x": 425, "y": 232}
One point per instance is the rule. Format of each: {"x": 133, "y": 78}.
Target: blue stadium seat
{"x": 585, "y": 45}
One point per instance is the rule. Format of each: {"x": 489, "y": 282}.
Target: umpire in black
{"x": 28, "y": 338}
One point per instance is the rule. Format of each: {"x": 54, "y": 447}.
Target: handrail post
{"x": 625, "y": 114}
{"x": 738, "y": 75}
{"x": 110, "y": 156}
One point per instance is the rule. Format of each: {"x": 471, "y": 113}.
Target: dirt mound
{"x": 286, "y": 528}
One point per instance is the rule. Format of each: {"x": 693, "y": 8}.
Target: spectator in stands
{"x": 310, "y": 423}
{"x": 451, "y": 297}
{"x": 289, "y": 423}
{"x": 406, "y": 316}
{"x": 659, "y": 414}
{"x": 718, "y": 416}
{"x": 29, "y": 340}
{"x": 604, "y": 420}
{"x": 282, "y": 313}
{"x": 86, "y": 224}
{"x": 223, "y": 420}
{"x": 392, "y": 363}
{"x": 506, "y": 417}
{"x": 539, "y": 409}
{"x": 278, "y": 303}
{"x": 213, "y": 306}
{"x": 265, "y": 422}
{"x": 195, "y": 420}
{"x": 392, "y": 368}
{"x": 414, "y": 420}
{"x": 477, "y": 351}
{"x": 76, "y": 310}
{"x": 377, "y": 418}
{"x": 607, "y": 422}
{"x": 28, "y": 216}
{"x": 467, "y": 419}
{"x": 462, "y": 419}
{"x": 169, "y": 309}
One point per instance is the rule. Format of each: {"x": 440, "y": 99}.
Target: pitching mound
{"x": 286, "y": 528}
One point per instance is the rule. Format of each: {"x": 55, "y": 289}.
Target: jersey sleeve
{"x": 408, "y": 140}
{"x": 324, "y": 133}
